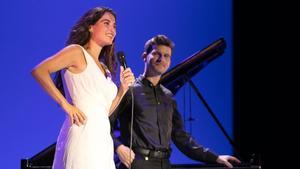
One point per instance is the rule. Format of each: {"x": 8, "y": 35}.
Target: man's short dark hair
{"x": 156, "y": 41}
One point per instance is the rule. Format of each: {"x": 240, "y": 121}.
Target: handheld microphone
{"x": 121, "y": 58}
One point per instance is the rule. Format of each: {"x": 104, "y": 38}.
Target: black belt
{"x": 162, "y": 154}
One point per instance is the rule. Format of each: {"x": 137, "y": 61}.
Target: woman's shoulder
{"x": 74, "y": 48}
{"x": 73, "y": 53}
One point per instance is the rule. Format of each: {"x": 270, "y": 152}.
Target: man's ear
{"x": 144, "y": 56}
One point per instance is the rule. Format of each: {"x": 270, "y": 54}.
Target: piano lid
{"x": 175, "y": 78}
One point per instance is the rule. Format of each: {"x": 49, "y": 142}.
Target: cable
{"x": 131, "y": 124}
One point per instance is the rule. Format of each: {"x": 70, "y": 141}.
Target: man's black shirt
{"x": 156, "y": 121}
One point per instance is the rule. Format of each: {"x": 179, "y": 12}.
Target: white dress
{"x": 89, "y": 146}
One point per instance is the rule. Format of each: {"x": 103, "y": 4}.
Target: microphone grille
{"x": 120, "y": 55}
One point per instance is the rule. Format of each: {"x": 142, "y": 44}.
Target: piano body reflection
{"x": 173, "y": 79}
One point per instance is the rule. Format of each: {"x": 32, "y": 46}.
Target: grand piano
{"x": 173, "y": 79}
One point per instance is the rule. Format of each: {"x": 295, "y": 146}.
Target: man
{"x": 156, "y": 120}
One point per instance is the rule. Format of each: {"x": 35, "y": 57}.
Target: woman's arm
{"x": 126, "y": 79}
{"x": 70, "y": 58}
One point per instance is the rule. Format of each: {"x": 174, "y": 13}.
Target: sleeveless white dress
{"x": 89, "y": 146}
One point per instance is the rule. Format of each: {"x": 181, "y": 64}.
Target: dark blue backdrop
{"x": 32, "y": 30}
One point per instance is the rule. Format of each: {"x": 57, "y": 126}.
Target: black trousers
{"x": 140, "y": 162}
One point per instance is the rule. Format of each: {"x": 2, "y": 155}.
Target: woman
{"x": 85, "y": 91}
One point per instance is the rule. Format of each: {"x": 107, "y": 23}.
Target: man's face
{"x": 158, "y": 60}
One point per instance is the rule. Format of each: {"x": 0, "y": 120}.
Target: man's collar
{"x": 147, "y": 82}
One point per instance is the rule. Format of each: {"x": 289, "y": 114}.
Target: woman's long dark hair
{"x": 80, "y": 35}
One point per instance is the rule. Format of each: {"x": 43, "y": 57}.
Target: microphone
{"x": 121, "y": 58}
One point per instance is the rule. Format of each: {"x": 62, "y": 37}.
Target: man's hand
{"x": 227, "y": 160}
{"x": 125, "y": 155}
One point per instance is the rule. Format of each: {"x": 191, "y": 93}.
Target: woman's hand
{"x": 126, "y": 78}
{"x": 76, "y": 116}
